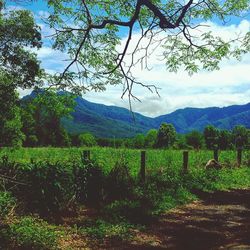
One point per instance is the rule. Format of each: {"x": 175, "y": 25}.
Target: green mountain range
{"x": 111, "y": 121}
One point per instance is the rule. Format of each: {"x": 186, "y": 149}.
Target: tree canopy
{"x": 93, "y": 33}
{"x": 19, "y": 68}
{"x": 166, "y": 135}
{"x": 19, "y": 33}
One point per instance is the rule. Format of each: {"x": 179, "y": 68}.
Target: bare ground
{"x": 218, "y": 221}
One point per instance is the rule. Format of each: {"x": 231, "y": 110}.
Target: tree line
{"x": 35, "y": 121}
{"x": 167, "y": 137}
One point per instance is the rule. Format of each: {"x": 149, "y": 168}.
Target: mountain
{"x": 112, "y": 121}
{"x": 106, "y": 121}
{"x": 188, "y": 119}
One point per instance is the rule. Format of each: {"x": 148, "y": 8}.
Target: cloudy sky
{"x": 227, "y": 86}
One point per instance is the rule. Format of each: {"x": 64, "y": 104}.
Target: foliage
{"x": 119, "y": 184}
{"x": 195, "y": 139}
{"x": 41, "y": 117}
{"x": 30, "y": 233}
{"x": 225, "y": 139}
{"x": 52, "y": 187}
{"x": 166, "y": 135}
{"x": 241, "y": 136}
{"x": 7, "y": 203}
{"x": 89, "y": 182}
{"x": 180, "y": 142}
{"x": 138, "y": 141}
{"x": 211, "y": 137}
{"x": 19, "y": 67}
{"x": 102, "y": 230}
{"x": 93, "y": 42}
{"x": 87, "y": 139}
{"x": 19, "y": 33}
{"x": 10, "y": 120}
{"x": 151, "y": 138}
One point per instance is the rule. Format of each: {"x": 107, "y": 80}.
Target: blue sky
{"x": 227, "y": 86}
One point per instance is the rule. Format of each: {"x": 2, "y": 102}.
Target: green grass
{"x": 29, "y": 233}
{"x": 126, "y": 204}
{"x": 107, "y": 157}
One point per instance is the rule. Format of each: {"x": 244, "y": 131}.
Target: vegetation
{"x": 87, "y": 139}
{"x": 98, "y": 36}
{"x": 7, "y": 204}
{"x": 19, "y": 68}
{"x": 41, "y": 187}
{"x": 29, "y": 233}
{"x": 166, "y": 135}
{"x": 62, "y": 181}
{"x": 41, "y": 118}
{"x": 194, "y": 139}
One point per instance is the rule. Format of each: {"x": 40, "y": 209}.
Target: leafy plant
{"x": 89, "y": 181}
{"x": 31, "y": 233}
{"x": 101, "y": 230}
{"x": 7, "y": 204}
{"x": 119, "y": 183}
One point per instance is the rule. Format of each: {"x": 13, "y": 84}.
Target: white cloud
{"x": 227, "y": 86}
{"x": 218, "y": 88}
{"x": 24, "y": 92}
{"x": 52, "y": 60}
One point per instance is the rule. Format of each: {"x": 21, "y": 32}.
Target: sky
{"x": 228, "y": 86}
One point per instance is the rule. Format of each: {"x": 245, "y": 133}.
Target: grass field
{"x": 107, "y": 157}
{"x": 59, "y": 187}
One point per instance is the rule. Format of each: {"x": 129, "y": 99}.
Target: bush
{"x": 102, "y": 230}
{"x": 89, "y": 182}
{"x": 87, "y": 140}
{"x": 7, "y": 203}
{"x": 119, "y": 183}
{"x": 49, "y": 189}
{"x": 30, "y": 233}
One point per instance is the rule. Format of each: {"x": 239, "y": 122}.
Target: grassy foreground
{"x": 50, "y": 198}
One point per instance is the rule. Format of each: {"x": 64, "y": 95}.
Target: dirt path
{"x": 218, "y": 221}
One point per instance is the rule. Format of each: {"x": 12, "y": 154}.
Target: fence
{"x": 185, "y": 159}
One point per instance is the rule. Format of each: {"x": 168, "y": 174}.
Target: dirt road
{"x": 218, "y": 221}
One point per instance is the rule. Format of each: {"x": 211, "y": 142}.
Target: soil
{"x": 217, "y": 221}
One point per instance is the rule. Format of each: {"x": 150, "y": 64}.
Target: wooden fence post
{"x": 185, "y": 161}
{"x": 86, "y": 155}
{"x": 143, "y": 166}
{"x": 239, "y": 156}
{"x": 216, "y": 154}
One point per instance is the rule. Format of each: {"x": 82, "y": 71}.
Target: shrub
{"x": 87, "y": 140}
{"x": 49, "y": 189}
{"x": 31, "y": 233}
{"x": 7, "y": 203}
{"x": 88, "y": 182}
{"x": 9, "y": 169}
{"x": 102, "y": 230}
{"x": 126, "y": 210}
{"x": 119, "y": 183}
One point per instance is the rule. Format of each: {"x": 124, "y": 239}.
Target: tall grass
{"x": 107, "y": 157}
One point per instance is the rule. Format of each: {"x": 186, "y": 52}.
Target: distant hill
{"x": 106, "y": 121}
{"x": 110, "y": 121}
{"x": 189, "y": 119}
